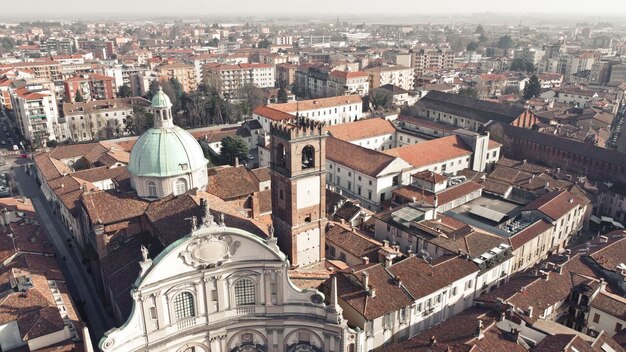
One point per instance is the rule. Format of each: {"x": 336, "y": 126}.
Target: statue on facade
{"x": 144, "y": 253}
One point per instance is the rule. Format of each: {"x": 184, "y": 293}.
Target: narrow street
{"x": 80, "y": 283}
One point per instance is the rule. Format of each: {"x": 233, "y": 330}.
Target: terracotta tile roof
{"x": 167, "y": 216}
{"x": 231, "y": 182}
{"x": 496, "y": 187}
{"x": 563, "y": 343}
{"x": 352, "y": 242}
{"x": 108, "y": 207}
{"x": 366, "y": 161}
{"x": 426, "y": 123}
{"x": 347, "y": 74}
{"x": 610, "y": 303}
{"x": 529, "y": 233}
{"x": 443, "y": 197}
{"x": 313, "y": 104}
{"x": 262, "y": 174}
{"x": 272, "y": 114}
{"x": 474, "y": 243}
{"x": 362, "y": 129}
{"x": 458, "y": 334}
{"x": 265, "y": 201}
{"x": 389, "y": 297}
{"x": 555, "y": 204}
{"x": 604, "y": 339}
{"x": 422, "y": 279}
{"x": 609, "y": 257}
{"x": 429, "y": 176}
{"x": 100, "y": 173}
{"x": 432, "y": 152}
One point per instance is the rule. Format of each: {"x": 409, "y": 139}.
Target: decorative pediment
{"x": 209, "y": 251}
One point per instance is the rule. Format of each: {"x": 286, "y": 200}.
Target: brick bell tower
{"x": 298, "y": 163}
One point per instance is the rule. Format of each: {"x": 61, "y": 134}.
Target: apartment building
{"x": 101, "y": 49}
{"x": 229, "y": 79}
{"x": 399, "y": 76}
{"x": 398, "y": 58}
{"x": 529, "y": 55}
{"x": 332, "y": 110}
{"x": 89, "y": 87}
{"x": 36, "y": 114}
{"x": 100, "y": 119}
{"x": 44, "y": 70}
{"x": 347, "y": 83}
{"x": 430, "y": 59}
{"x": 184, "y": 73}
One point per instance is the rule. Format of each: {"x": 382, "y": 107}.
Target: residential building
{"x": 428, "y": 59}
{"x": 36, "y": 114}
{"x": 100, "y": 119}
{"x": 89, "y": 87}
{"x": 375, "y": 133}
{"x": 102, "y": 49}
{"x": 399, "y": 76}
{"x": 398, "y": 58}
{"x": 529, "y": 55}
{"x": 229, "y": 79}
{"x": 184, "y": 73}
{"x": 332, "y": 110}
{"x": 347, "y": 83}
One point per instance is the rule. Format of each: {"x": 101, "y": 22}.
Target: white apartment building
{"x": 529, "y": 55}
{"x": 36, "y": 113}
{"x": 432, "y": 59}
{"x": 398, "y": 76}
{"x": 229, "y": 79}
{"x": 100, "y": 119}
{"x": 332, "y": 111}
{"x": 346, "y": 83}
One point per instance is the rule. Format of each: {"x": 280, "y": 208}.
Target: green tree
{"x": 381, "y": 98}
{"x": 252, "y": 97}
{"x": 233, "y": 148}
{"x": 521, "y": 65}
{"x": 479, "y": 30}
{"x": 469, "y": 92}
{"x": 265, "y": 44}
{"x": 281, "y": 96}
{"x": 124, "y": 91}
{"x": 7, "y": 43}
{"x": 214, "y": 42}
{"x": 153, "y": 89}
{"x": 130, "y": 126}
{"x": 505, "y": 42}
{"x": 532, "y": 88}
{"x": 472, "y": 46}
{"x": 79, "y": 97}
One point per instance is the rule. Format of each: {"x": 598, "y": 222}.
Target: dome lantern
{"x": 162, "y": 109}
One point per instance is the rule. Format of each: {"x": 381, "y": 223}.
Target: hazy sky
{"x": 345, "y": 7}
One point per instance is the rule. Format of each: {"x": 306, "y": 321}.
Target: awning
{"x": 595, "y": 219}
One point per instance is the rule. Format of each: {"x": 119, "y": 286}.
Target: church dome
{"x": 166, "y": 152}
{"x": 161, "y": 100}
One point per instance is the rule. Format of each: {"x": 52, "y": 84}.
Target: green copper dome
{"x": 165, "y": 152}
{"x": 161, "y": 100}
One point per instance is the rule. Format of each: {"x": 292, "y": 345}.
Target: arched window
{"x": 245, "y": 292}
{"x": 181, "y": 186}
{"x": 308, "y": 157}
{"x": 281, "y": 155}
{"x": 152, "y": 189}
{"x": 183, "y": 306}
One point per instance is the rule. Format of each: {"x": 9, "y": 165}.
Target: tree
{"x": 521, "y": 65}
{"x": 505, "y": 42}
{"x": 469, "y": 92}
{"x": 233, "y": 147}
{"x": 7, "y": 43}
{"x": 381, "y": 98}
{"x": 214, "y": 42}
{"x": 79, "y": 97}
{"x": 130, "y": 126}
{"x": 479, "y": 30}
{"x": 532, "y": 88}
{"x": 265, "y": 44}
{"x": 153, "y": 89}
{"x": 472, "y": 46}
{"x": 281, "y": 96}
{"x": 124, "y": 91}
{"x": 252, "y": 97}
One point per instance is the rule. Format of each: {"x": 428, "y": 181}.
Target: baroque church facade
{"x": 223, "y": 289}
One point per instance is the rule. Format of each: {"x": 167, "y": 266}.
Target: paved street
{"x": 81, "y": 284}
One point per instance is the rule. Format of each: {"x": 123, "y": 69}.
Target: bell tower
{"x": 298, "y": 166}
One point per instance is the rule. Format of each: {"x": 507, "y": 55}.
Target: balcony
{"x": 186, "y": 323}
{"x": 246, "y": 310}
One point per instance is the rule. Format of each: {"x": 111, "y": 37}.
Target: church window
{"x": 245, "y": 292}
{"x": 152, "y": 189}
{"x": 181, "y": 186}
{"x": 308, "y": 157}
{"x": 281, "y": 155}
{"x": 184, "y": 306}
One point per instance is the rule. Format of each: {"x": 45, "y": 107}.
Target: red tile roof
{"x": 432, "y": 152}
{"x": 555, "y": 204}
{"x": 366, "y": 161}
{"x": 362, "y": 129}
{"x": 272, "y": 114}
{"x": 313, "y": 104}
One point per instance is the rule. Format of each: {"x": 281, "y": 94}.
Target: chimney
{"x": 530, "y": 311}
{"x": 604, "y": 239}
{"x": 365, "y": 280}
{"x": 398, "y": 281}
{"x": 386, "y": 244}
{"x": 372, "y": 291}
{"x": 256, "y": 206}
{"x": 480, "y": 331}
{"x": 236, "y": 161}
{"x": 387, "y": 262}
{"x": 545, "y": 275}
{"x": 433, "y": 340}
{"x": 366, "y": 260}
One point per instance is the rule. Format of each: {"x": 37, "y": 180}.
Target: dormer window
{"x": 184, "y": 166}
